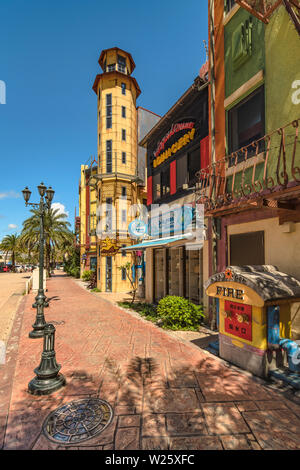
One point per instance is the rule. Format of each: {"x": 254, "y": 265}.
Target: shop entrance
{"x": 174, "y": 271}
{"x": 193, "y": 276}
{"x": 159, "y": 271}
{"x": 108, "y": 286}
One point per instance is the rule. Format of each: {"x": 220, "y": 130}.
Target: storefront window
{"x": 193, "y": 279}
{"x": 181, "y": 172}
{"x": 246, "y": 124}
{"x": 159, "y": 275}
{"x": 156, "y": 186}
{"x": 194, "y": 164}
{"x": 165, "y": 181}
{"x": 174, "y": 271}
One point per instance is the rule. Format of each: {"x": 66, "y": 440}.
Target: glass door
{"x": 175, "y": 271}
{"x": 159, "y": 275}
{"x": 108, "y": 274}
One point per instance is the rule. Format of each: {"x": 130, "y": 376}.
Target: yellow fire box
{"x": 254, "y": 315}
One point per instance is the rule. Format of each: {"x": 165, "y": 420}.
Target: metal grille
{"x": 78, "y": 421}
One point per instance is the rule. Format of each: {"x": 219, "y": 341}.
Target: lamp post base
{"x": 36, "y": 333}
{"x": 46, "y": 386}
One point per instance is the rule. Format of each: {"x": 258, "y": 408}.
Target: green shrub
{"x": 179, "y": 313}
{"x": 86, "y": 276}
{"x": 95, "y": 289}
{"x": 147, "y": 311}
{"x": 75, "y": 272}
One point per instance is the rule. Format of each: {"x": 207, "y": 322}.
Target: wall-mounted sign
{"x": 161, "y": 154}
{"x": 109, "y": 247}
{"x": 137, "y": 228}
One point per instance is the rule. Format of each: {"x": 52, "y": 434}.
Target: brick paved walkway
{"x": 180, "y": 399}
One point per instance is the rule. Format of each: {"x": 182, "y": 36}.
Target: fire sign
{"x": 238, "y": 319}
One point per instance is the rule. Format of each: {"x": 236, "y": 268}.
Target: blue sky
{"x": 49, "y": 54}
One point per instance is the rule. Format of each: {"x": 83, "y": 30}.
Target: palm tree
{"x": 11, "y": 244}
{"x": 56, "y": 231}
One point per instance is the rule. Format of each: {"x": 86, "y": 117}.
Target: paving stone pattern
{"x": 165, "y": 393}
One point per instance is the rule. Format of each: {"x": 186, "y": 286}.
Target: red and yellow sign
{"x": 184, "y": 140}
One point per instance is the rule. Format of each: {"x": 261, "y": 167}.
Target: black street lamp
{"x": 47, "y": 379}
{"x": 40, "y": 300}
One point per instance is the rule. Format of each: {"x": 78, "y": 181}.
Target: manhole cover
{"x": 78, "y": 421}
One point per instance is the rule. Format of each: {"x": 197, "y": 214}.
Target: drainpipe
{"x": 211, "y": 9}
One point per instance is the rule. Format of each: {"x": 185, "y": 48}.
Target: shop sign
{"x": 109, "y": 247}
{"x": 161, "y": 154}
{"x": 137, "y": 228}
{"x": 176, "y": 221}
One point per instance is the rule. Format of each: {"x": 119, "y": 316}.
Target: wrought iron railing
{"x": 273, "y": 166}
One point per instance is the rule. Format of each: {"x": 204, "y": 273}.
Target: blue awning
{"x": 158, "y": 242}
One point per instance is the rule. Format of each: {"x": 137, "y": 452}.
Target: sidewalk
{"x": 12, "y": 288}
{"x": 181, "y": 398}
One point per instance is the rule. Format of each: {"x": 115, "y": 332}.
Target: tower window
{"x": 121, "y": 64}
{"x": 124, "y": 134}
{"x": 109, "y": 214}
{"x": 108, "y": 111}
{"x": 123, "y": 274}
{"x": 124, "y": 215}
{"x": 124, "y": 111}
{"x": 123, "y": 86}
{"x": 124, "y": 191}
{"x": 123, "y": 157}
{"x": 111, "y": 67}
{"x": 123, "y": 252}
{"x": 108, "y": 156}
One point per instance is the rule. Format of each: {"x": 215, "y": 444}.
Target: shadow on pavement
{"x": 204, "y": 342}
{"x": 170, "y": 405}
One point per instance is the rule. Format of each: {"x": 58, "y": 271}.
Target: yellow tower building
{"x": 118, "y": 181}
{"x": 87, "y": 218}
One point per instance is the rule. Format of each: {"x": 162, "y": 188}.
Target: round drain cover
{"x": 78, "y": 421}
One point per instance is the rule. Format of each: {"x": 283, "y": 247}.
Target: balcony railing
{"x": 272, "y": 169}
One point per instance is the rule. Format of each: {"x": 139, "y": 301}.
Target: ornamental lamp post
{"x": 40, "y": 300}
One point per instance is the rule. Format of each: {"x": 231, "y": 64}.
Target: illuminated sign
{"x": 161, "y": 154}
{"x": 175, "y": 128}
